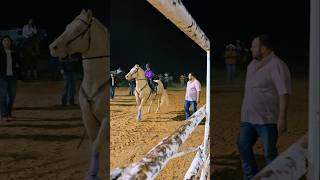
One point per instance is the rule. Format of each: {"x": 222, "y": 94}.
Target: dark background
{"x": 141, "y": 34}
{"x": 50, "y": 15}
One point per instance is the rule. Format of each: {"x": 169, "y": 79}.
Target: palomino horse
{"x": 143, "y": 92}
{"x": 86, "y": 35}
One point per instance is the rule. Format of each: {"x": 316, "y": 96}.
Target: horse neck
{"x": 96, "y": 70}
{"x": 99, "y": 43}
{"x": 141, "y": 79}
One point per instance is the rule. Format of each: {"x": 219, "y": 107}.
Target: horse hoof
{"x": 139, "y": 119}
{"x": 91, "y": 177}
{"x": 139, "y": 116}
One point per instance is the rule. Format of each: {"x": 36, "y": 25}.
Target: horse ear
{"x": 83, "y": 11}
{"x": 89, "y": 14}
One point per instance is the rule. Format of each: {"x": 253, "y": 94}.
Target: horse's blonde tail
{"x": 164, "y": 98}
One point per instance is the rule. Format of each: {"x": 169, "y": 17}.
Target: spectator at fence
{"x": 182, "y": 80}
{"x": 264, "y": 107}
{"x": 192, "y": 97}
{"x": 160, "y": 77}
{"x": 9, "y": 73}
{"x": 166, "y": 81}
{"x": 230, "y": 61}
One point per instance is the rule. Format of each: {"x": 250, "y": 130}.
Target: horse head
{"x": 75, "y": 38}
{"x": 135, "y": 73}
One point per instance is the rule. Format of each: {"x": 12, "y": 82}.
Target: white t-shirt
{"x": 193, "y": 87}
{"x": 9, "y": 63}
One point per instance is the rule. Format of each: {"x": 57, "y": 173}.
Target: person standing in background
{"x": 9, "y": 74}
{"x": 182, "y": 80}
{"x": 132, "y": 86}
{"x": 230, "y": 61}
{"x": 192, "y": 97}
{"x": 264, "y": 107}
{"x": 112, "y": 86}
{"x": 69, "y": 72}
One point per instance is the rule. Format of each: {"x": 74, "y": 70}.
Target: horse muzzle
{"x": 57, "y": 50}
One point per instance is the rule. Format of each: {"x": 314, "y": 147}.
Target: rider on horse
{"x": 149, "y": 75}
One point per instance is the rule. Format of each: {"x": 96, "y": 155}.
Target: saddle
{"x": 154, "y": 89}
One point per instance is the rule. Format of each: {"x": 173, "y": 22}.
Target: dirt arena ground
{"x": 227, "y": 99}
{"x": 41, "y": 143}
{"x": 131, "y": 140}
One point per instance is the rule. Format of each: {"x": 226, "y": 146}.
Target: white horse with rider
{"x": 143, "y": 92}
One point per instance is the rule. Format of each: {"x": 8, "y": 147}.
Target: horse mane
{"x": 101, "y": 25}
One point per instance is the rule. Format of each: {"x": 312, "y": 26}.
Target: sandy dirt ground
{"x": 227, "y": 99}
{"x": 130, "y": 140}
{"x": 41, "y": 143}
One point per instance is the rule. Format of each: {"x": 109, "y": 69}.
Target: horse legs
{"x": 140, "y": 109}
{"x": 150, "y": 106}
{"x": 138, "y": 101}
{"x": 100, "y": 145}
{"x": 158, "y": 107}
{"x": 92, "y": 130}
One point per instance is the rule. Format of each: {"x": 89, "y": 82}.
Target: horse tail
{"x": 164, "y": 95}
{"x": 164, "y": 98}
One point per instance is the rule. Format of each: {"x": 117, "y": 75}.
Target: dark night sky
{"x": 51, "y": 15}
{"x": 141, "y": 34}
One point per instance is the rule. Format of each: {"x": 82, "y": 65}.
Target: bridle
{"x": 137, "y": 71}
{"x": 81, "y": 35}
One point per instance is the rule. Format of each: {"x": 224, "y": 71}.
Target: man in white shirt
{"x": 192, "y": 97}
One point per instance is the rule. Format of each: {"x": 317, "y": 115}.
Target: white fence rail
{"x": 156, "y": 159}
{"x": 290, "y": 165}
